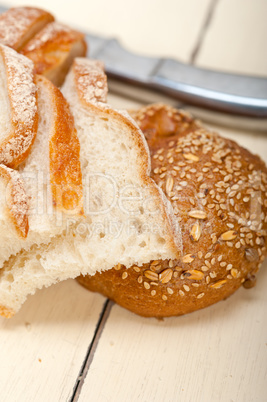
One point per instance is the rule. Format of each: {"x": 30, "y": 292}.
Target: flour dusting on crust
{"x": 15, "y": 22}
{"x": 22, "y": 96}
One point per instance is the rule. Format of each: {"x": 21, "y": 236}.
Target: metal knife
{"x": 232, "y": 93}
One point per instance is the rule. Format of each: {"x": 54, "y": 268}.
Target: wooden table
{"x": 67, "y": 344}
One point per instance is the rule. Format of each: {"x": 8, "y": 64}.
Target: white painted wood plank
{"x": 217, "y": 354}
{"x": 236, "y": 38}
{"x": 153, "y": 27}
{"x": 43, "y": 347}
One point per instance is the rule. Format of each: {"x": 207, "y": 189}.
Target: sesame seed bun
{"x": 219, "y": 194}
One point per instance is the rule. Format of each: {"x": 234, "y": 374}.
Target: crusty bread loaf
{"x": 19, "y": 24}
{"x": 219, "y": 194}
{"x": 53, "y": 50}
{"x": 127, "y": 218}
{"x": 51, "y": 173}
{"x": 50, "y": 45}
{"x": 18, "y": 117}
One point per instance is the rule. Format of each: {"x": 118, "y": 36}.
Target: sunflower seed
{"x": 218, "y": 284}
{"x": 153, "y": 276}
{"x": 197, "y": 214}
{"x": 191, "y": 157}
{"x": 196, "y": 232}
{"x": 194, "y": 274}
{"x": 166, "y": 275}
{"x": 187, "y": 259}
{"x": 230, "y": 235}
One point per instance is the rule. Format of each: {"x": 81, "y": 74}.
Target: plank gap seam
{"x": 91, "y": 350}
{"x": 203, "y": 31}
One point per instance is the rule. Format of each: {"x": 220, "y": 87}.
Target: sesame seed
{"x": 186, "y": 288}
{"x": 146, "y": 285}
{"x": 170, "y": 291}
{"x": 124, "y": 275}
{"x": 136, "y": 269}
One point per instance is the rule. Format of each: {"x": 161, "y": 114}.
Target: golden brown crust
{"x": 16, "y": 200}
{"x": 219, "y": 194}
{"x": 5, "y": 312}
{"x": 51, "y": 50}
{"x": 21, "y": 94}
{"x": 87, "y": 75}
{"x": 90, "y": 81}
{"x": 19, "y": 24}
{"x": 64, "y": 155}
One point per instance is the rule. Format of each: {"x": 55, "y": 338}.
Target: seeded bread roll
{"x": 219, "y": 194}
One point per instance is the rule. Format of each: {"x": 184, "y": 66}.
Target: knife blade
{"x": 232, "y": 93}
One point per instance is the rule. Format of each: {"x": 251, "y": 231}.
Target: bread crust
{"x": 6, "y": 312}
{"x": 87, "y": 74}
{"x": 64, "y": 154}
{"x": 17, "y": 204}
{"x": 22, "y": 97}
{"x": 219, "y": 194}
{"x": 19, "y": 24}
{"x": 51, "y": 50}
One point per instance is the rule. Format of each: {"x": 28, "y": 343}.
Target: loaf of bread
{"x": 51, "y": 45}
{"x": 126, "y": 218}
{"x": 219, "y": 194}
